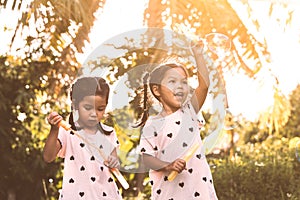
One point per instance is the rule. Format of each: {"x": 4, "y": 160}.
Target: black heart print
{"x": 181, "y": 184}
{"x": 170, "y": 135}
{"x": 110, "y": 179}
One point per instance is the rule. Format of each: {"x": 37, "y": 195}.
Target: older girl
{"x": 169, "y": 135}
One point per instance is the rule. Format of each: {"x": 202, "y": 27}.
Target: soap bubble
{"x": 123, "y": 61}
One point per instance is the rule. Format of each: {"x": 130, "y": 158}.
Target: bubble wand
{"x": 186, "y": 157}
{"x": 114, "y": 171}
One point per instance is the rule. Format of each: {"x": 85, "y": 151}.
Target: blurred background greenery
{"x": 38, "y": 61}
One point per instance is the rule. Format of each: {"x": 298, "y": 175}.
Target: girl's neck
{"x": 88, "y": 130}
{"x": 166, "y": 112}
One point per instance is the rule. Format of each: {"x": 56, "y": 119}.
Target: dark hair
{"x": 156, "y": 76}
{"x": 88, "y": 86}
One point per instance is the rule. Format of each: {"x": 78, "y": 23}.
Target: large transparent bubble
{"x": 123, "y": 61}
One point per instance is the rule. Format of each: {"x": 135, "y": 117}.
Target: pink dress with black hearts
{"x": 170, "y": 138}
{"x": 85, "y": 175}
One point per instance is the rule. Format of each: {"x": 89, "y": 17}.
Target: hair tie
{"x": 145, "y": 78}
{"x": 97, "y": 81}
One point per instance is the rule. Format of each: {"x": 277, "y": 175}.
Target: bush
{"x": 268, "y": 170}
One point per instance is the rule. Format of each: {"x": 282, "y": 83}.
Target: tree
{"x": 247, "y": 54}
{"x": 34, "y": 74}
{"x": 291, "y": 128}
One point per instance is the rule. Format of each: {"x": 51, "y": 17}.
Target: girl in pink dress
{"x": 86, "y": 174}
{"x": 168, "y": 136}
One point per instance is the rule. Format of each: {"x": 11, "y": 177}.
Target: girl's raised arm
{"x": 200, "y": 92}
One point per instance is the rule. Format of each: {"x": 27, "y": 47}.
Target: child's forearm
{"x": 202, "y": 71}
{"x": 200, "y": 92}
{"x": 154, "y": 163}
{"x": 52, "y": 146}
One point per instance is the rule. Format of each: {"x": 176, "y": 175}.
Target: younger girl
{"x": 169, "y": 135}
{"x": 86, "y": 174}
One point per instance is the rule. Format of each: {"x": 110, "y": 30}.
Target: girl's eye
{"x": 100, "y": 109}
{"x": 171, "y": 81}
{"x": 88, "y": 107}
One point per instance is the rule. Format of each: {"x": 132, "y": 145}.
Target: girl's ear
{"x": 155, "y": 89}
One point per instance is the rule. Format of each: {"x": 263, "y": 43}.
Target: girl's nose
{"x": 180, "y": 85}
{"x": 93, "y": 113}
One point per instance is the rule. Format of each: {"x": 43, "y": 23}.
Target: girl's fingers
{"x": 179, "y": 165}
{"x": 116, "y": 164}
{"x": 105, "y": 163}
{"x": 57, "y": 119}
{"x": 54, "y": 118}
{"x": 112, "y": 162}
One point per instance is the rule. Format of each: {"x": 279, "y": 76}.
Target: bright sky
{"x": 249, "y": 97}
{"x": 245, "y": 96}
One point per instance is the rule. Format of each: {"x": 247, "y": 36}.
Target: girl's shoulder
{"x": 187, "y": 106}
{"x": 155, "y": 117}
{"x": 111, "y": 133}
{"x": 107, "y": 126}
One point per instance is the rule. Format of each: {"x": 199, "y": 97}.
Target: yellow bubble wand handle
{"x": 114, "y": 171}
{"x": 186, "y": 157}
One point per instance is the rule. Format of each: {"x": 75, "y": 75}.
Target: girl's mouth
{"x": 179, "y": 94}
{"x": 93, "y": 121}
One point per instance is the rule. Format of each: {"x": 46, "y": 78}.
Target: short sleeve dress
{"x": 85, "y": 175}
{"x": 170, "y": 138}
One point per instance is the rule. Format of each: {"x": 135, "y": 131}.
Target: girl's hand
{"x": 112, "y": 162}
{"x": 197, "y": 47}
{"x": 53, "y": 119}
{"x": 177, "y": 165}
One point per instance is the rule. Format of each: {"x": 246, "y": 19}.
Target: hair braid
{"x": 145, "y": 113}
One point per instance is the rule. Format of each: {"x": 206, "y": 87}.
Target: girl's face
{"x": 174, "y": 88}
{"x": 91, "y": 110}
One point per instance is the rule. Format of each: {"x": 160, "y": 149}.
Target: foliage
{"x": 203, "y": 17}
{"x": 277, "y": 115}
{"x": 23, "y": 130}
{"x": 267, "y": 170}
{"x": 292, "y": 127}
{"x": 36, "y": 72}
